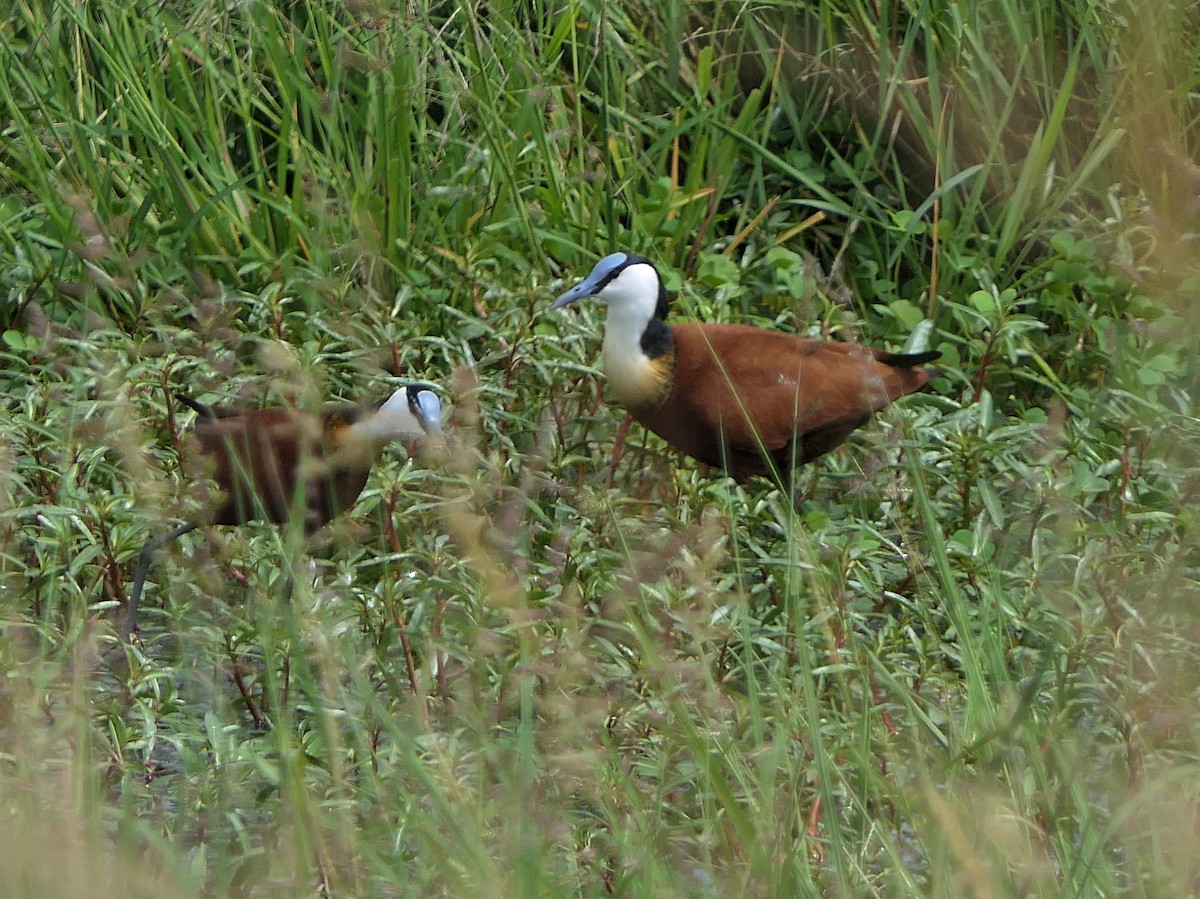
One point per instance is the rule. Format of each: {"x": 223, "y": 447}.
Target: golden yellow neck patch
{"x": 637, "y": 382}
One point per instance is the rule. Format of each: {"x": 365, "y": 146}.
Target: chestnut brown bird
{"x": 274, "y": 464}
{"x": 743, "y": 399}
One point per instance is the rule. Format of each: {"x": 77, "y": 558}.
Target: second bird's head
{"x": 629, "y": 285}
{"x": 411, "y": 412}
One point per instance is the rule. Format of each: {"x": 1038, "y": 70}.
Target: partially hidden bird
{"x": 275, "y": 464}
{"x": 743, "y": 399}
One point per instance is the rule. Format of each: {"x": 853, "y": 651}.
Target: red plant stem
{"x": 618, "y": 449}
{"x": 398, "y": 619}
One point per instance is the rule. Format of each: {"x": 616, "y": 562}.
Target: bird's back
{"x": 270, "y": 462}
{"x": 795, "y": 398}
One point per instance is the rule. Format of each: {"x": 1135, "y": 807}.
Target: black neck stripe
{"x": 657, "y": 340}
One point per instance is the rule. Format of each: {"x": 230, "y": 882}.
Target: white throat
{"x": 393, "y": 421}
{"x": 632, "y": 299}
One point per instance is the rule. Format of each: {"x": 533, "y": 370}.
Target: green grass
{"x": 964, "y": 664}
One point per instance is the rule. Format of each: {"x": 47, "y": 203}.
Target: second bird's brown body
{"x": 269, "y": 463}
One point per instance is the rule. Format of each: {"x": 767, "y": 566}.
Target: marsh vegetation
{"x": 547, "y": 661}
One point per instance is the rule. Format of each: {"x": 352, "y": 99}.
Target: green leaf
{"x": 909, "y": 315}
{"x": 716, "y": 270}
{"x": 984, "y": 301}
{"x": 783, "y": 258}
{"x": 20, "y": 342}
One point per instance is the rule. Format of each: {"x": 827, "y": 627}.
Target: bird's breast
{"x": 636, "y": 381}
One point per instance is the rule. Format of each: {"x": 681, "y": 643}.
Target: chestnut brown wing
{"x": 761, "y": 390}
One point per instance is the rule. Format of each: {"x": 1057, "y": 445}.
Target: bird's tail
{"x": 909, "y": 360}
{"x": 199, "y": 408}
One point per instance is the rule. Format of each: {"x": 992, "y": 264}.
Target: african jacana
{"x": 272, "y": 463}
{"x": 740, "y": 398}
